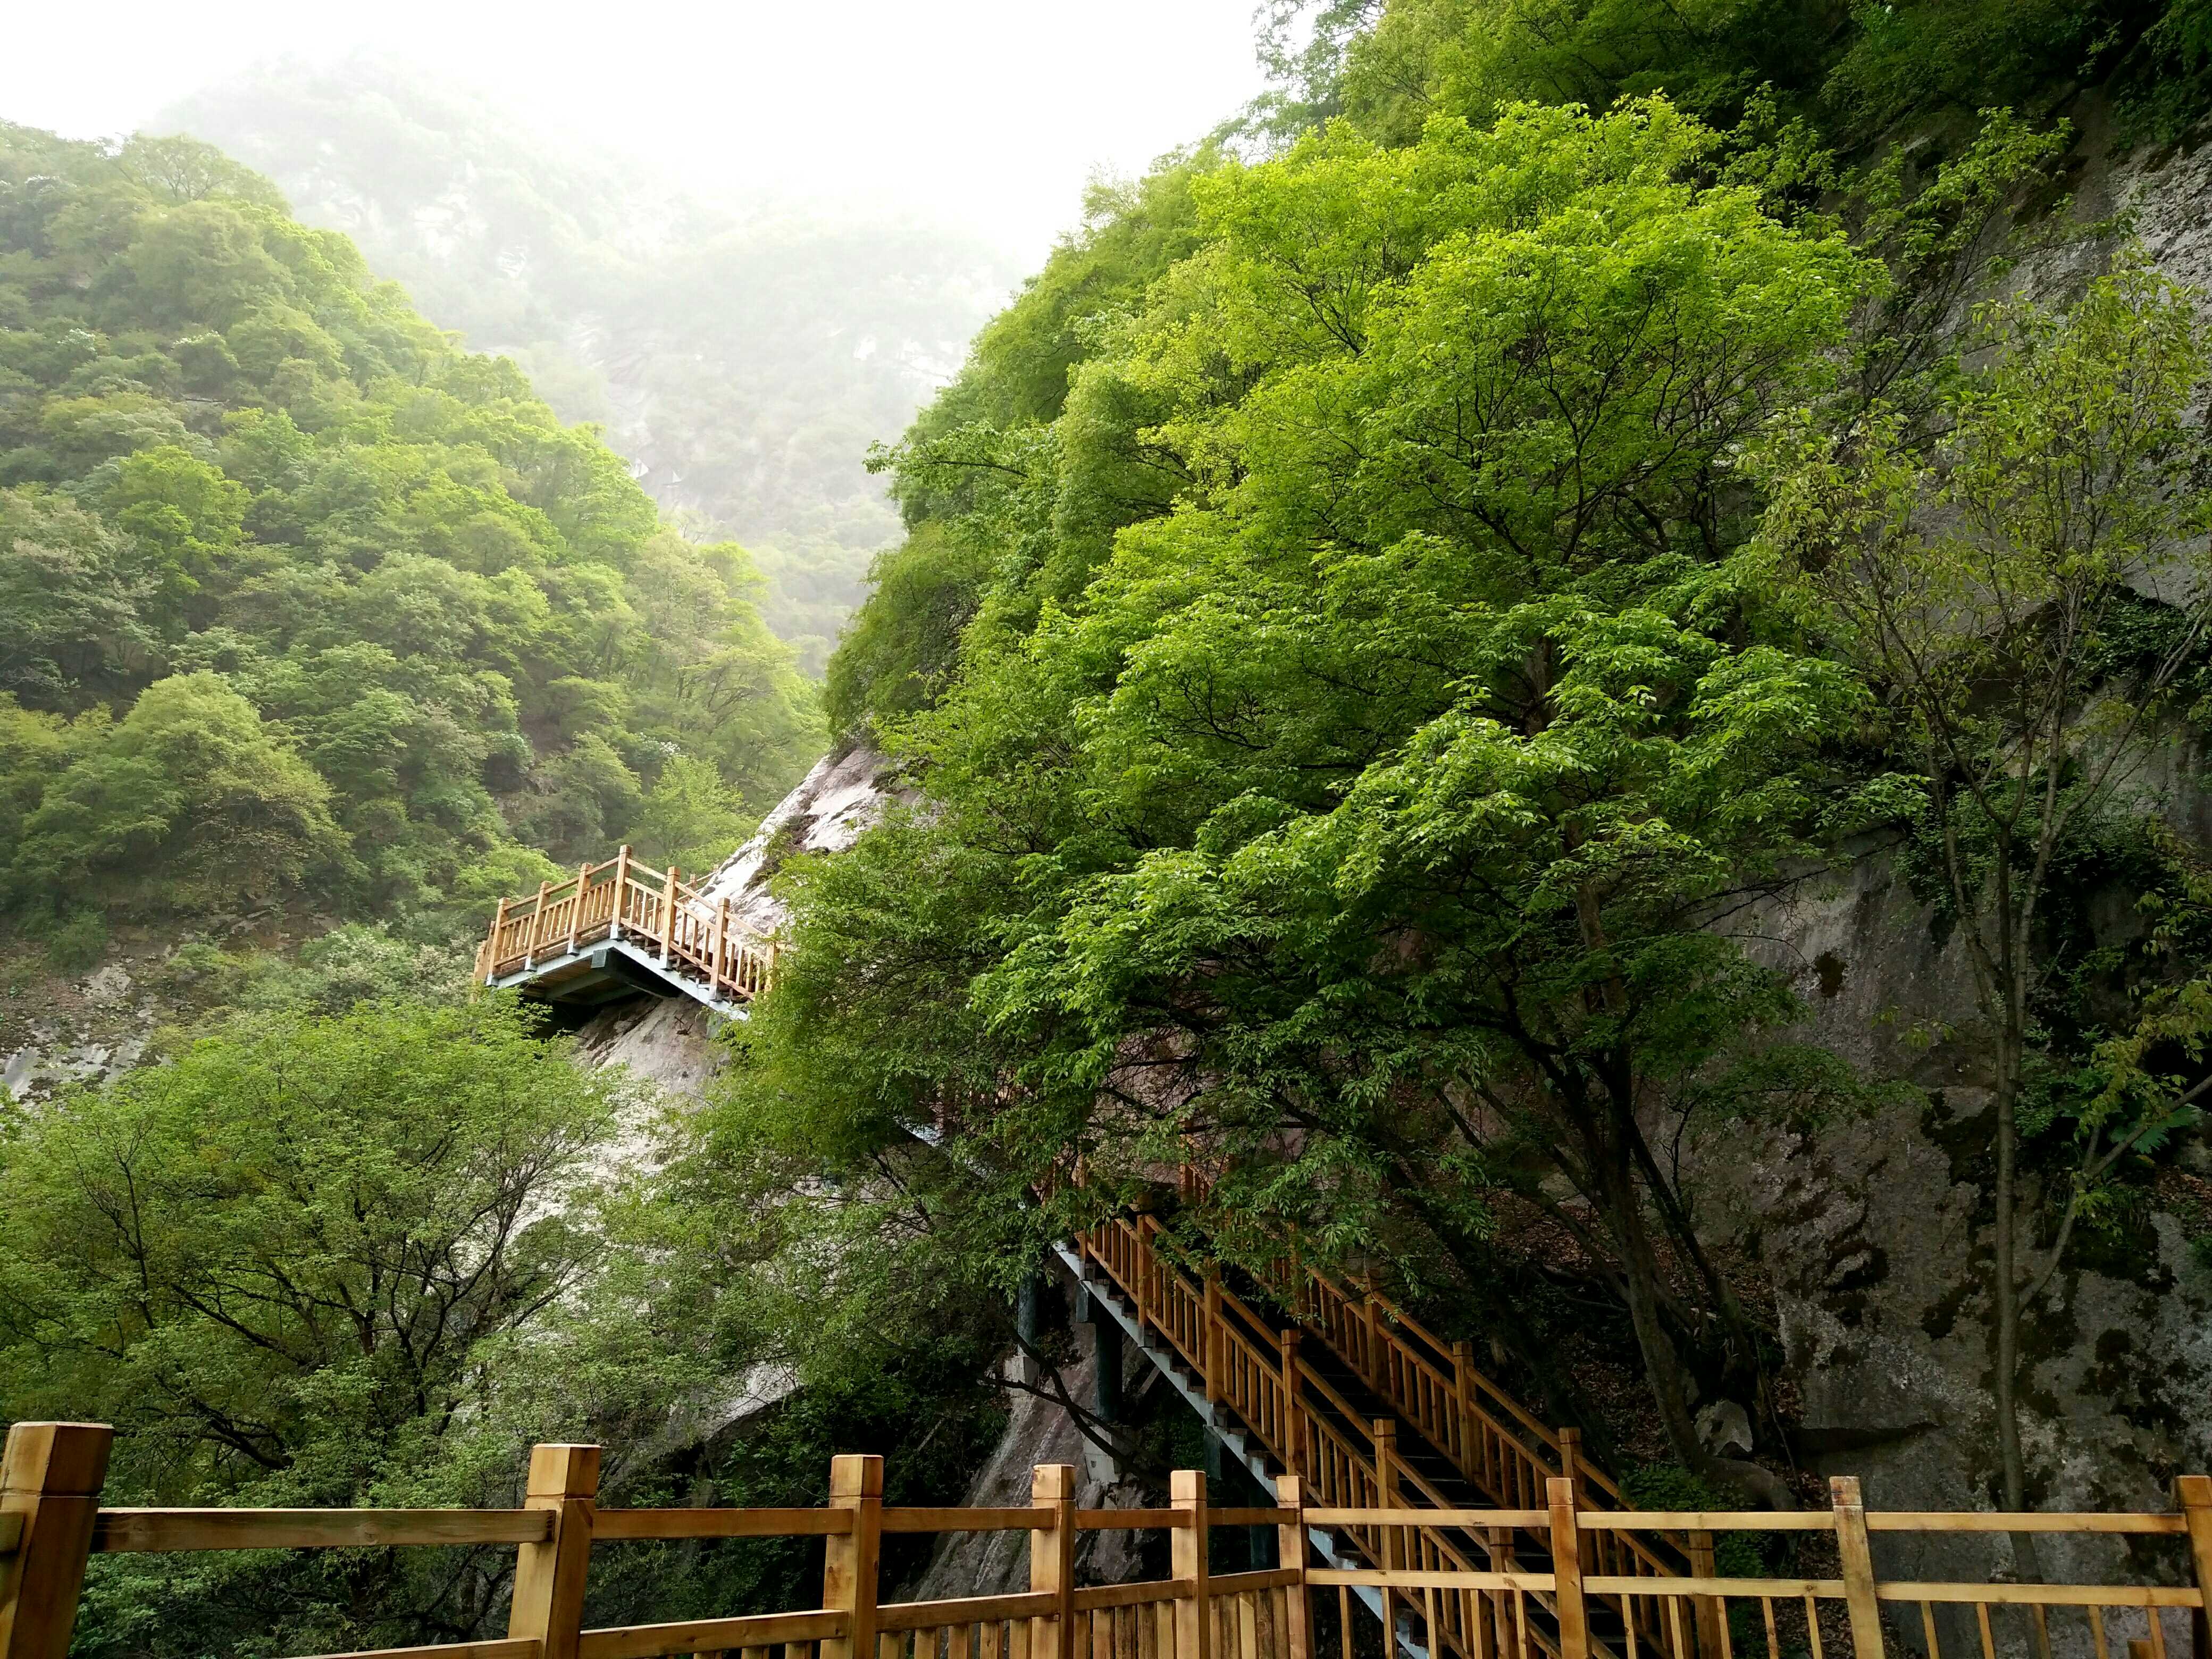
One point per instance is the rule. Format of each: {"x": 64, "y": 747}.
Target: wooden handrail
{"x": 1473, "y": 1598}
{"x": 623, "y": 898}
{"x": 1240, "y": 1363}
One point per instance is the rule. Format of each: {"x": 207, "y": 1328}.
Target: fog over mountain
{"x": 743, "y": 358}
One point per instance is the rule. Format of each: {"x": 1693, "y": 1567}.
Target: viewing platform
{"x": 616, "y": 929}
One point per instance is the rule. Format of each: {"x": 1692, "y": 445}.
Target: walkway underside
{"x": 609, "y": 971}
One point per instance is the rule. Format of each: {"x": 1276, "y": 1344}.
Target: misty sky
{"x": 989, "y": 113}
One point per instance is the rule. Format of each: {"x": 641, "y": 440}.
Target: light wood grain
{"x": 852, "y": 1560}
{"x": 2049, "y": 1596}
{"x": 1416, "y": 1578}
{"x": 968, "y": 1610}
{"x": 709, "y": 1635}
{"x": 618, "y": 1525}
{"x": 505, "y": 1647}
{"x": 1243, "y": 1583}
{"x": 1326, "y": 1515}
{"x": 2029, "y": 1521}
{"x": 137, "y": 1532}
{"x": 1708, "y": 1520}
{"x": 1616, "y": 1584}
{"x": 978, "y": 1520}
{"x": 1131, "y": 1596}
{"x": 1127, "y": 1519}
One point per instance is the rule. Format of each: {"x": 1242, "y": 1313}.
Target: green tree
{"x": 191, "y": 800}
{"x": 70, "y": 625}
{"x": 185, "y": 517}
{"x": 290, "y": 1265}
{"x": 690, "y": 818}
{"x": 1358, "y": 826}
{"x": 251, "y": 459}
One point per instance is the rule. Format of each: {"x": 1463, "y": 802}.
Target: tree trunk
{"x": 1639, "y": 1273}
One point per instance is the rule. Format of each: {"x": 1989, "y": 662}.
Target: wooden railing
{"x": 624, "y": 899}
{"x": 1352, "y": 1460}
{"x": 51, "y": 1523}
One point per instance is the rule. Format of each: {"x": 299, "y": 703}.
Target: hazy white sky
{"x": 990, "y": 113}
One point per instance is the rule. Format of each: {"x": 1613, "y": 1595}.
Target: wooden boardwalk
{"x": 1369, "y": 1409}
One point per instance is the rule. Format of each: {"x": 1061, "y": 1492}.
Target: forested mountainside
{"x": 744, "y": 360}
{"x": 302, "y": 606}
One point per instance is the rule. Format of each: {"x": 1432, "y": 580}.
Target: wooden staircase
{"x": 619, "y": 927}
{"x": 1373, "y": 1410}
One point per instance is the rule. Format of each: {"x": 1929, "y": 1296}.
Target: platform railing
{"x": 690, "y": 936}
{"x": 52, "y": 1524}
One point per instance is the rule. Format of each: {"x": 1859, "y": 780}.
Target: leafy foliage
{"x": 744, "y": 360}
{"x": 1858, "y": 71}
{"x": 1370, "y": 700}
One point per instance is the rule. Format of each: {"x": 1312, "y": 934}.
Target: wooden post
{"x": 1857, "y": 1560}
{"x": 537, "y": 922}
{"x": 576, "y": 908}
{"x": 1211, "y": 1346}
{"x": 1291, "y": 1549}
{"x": 1371, "y": 1313}
{"x": 1463, "y": 1408}
{"x": 850, "y": 1560}
{"x": 721, "y": 957}
{"x": 1294, "y": 1418}
{"x": 622, "y": 892}
{"x": 1392, "y": 1540}
{"x": 667, "y": 913}
{"x": 1194, "y": 1619}
{"x": 1705, "y": 1612}
{"x": 1570, "y": 1460}
{"x": 1567, "y": 1569}
{"x": 2192, "y": 1495}
{"x": 498, "y": 927}
{"x": 1386, "y": 1457}
{"x": 549, "y": 1577}
{"x": 1052, "y": 1560}
{"x": 49, "y": 1482}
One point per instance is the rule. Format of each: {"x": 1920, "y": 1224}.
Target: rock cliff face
{"x": 1876, "y": 1237}
{"x": 669, "y": 1042}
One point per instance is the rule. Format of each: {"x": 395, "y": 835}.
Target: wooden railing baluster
{"x": 548, "y": 1604}
{"x": 50, "y": 1480}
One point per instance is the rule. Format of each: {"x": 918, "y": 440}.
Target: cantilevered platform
{"x": 615, "y": 929}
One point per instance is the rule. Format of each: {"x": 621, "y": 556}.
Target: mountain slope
{"x": 743, "y": 363}
{"x": 301, "y": 603}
